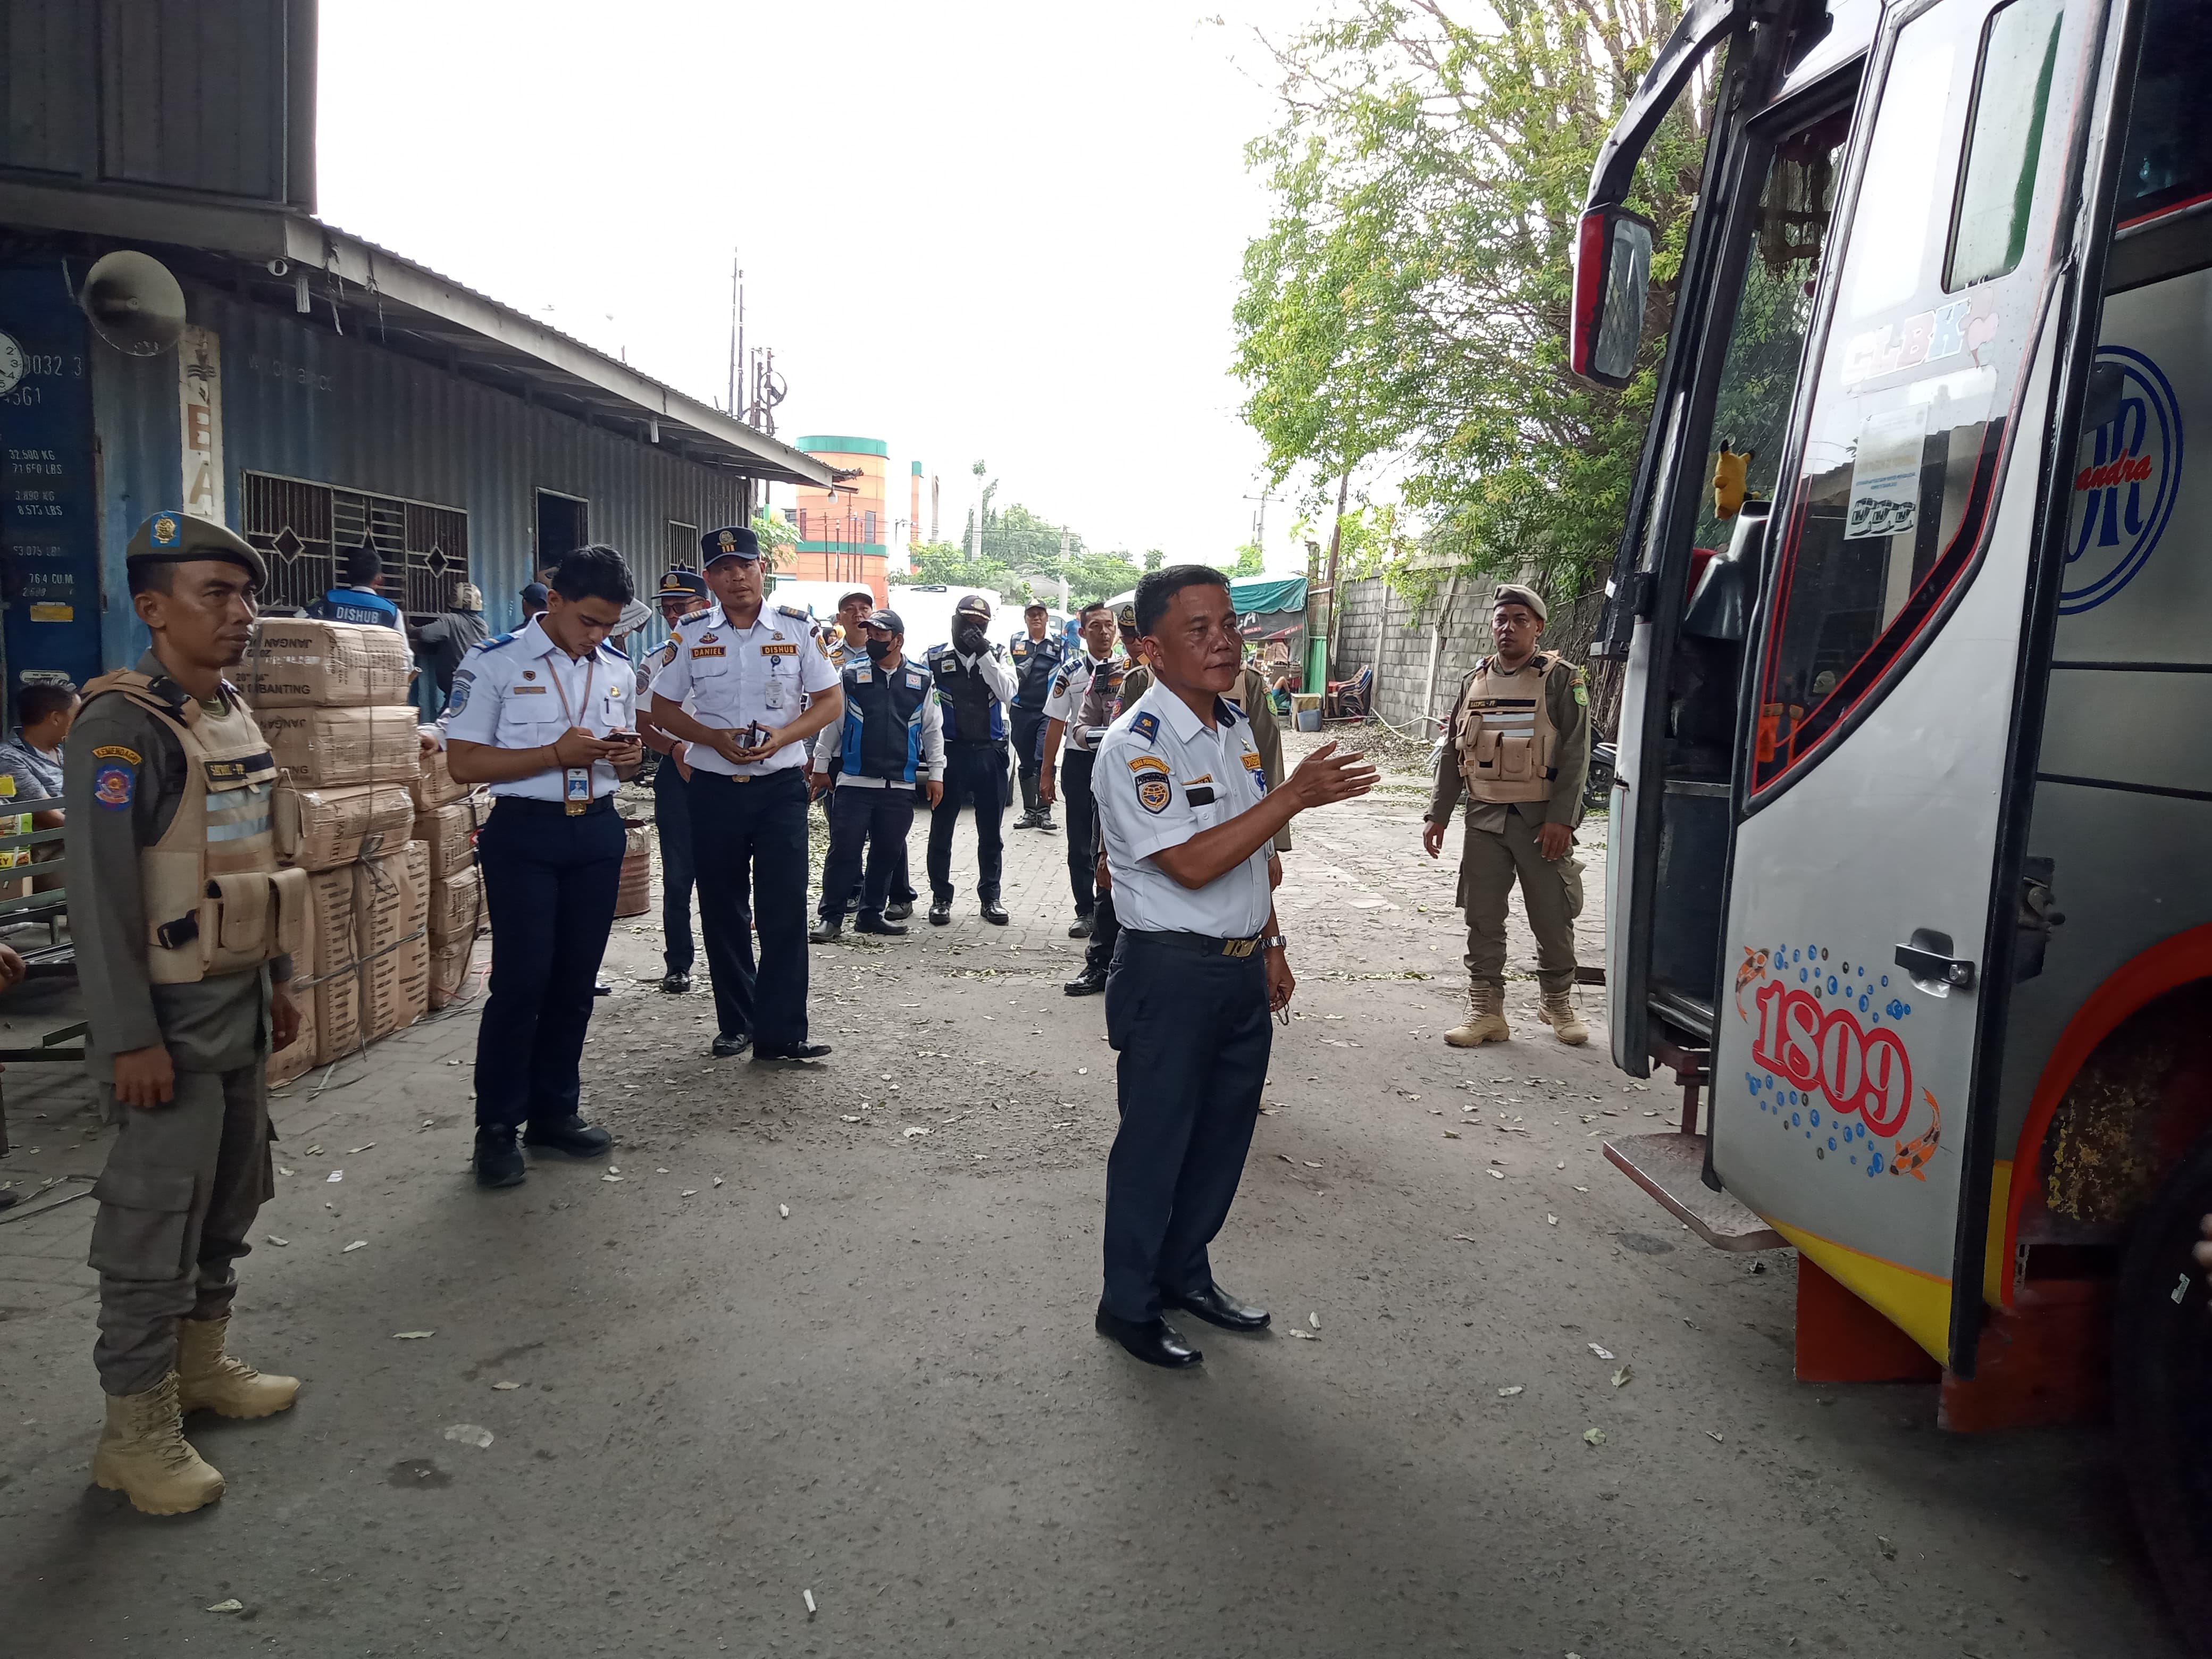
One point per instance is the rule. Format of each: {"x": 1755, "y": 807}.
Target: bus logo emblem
{"x": 2124, "y": 488}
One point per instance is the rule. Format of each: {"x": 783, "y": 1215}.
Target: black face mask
{"x": 878, "y": 649}
{"x": 968, "y": 639}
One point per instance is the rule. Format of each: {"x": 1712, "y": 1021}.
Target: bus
{"x": 1908, "y": 883}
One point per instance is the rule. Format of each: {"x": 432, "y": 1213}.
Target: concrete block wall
{"x": 1378, "y": 626}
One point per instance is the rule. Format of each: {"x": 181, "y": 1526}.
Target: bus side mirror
{"x": 1612, "y": 279}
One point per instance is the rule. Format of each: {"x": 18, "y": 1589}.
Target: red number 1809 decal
{"x": 1859, "y": 1071}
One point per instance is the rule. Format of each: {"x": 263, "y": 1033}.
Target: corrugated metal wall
{"x": 301, "y": 401}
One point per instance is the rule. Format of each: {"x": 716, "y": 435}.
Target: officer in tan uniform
{"x": 185, "y": 925}
{"x": 1519, "y": 741}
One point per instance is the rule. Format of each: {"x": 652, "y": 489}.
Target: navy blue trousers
{"x": 1029, "y": 741}
{"x": 748, "y": 839}
{"x": 549, "y": 883}
{"x": 672, "y": 820}
{"x": 1192, "y": 1035}
{"x": 975, "y": 773}
{"x": 871, "y": 821}
{"x": 1075, "y": 801}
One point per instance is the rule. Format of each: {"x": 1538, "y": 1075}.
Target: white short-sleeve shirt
{"x": 764, "y": 675}
{"x": 1161, "y": 778}
{"x": 1064, "y": 702}
{"x": 522, "y": 691}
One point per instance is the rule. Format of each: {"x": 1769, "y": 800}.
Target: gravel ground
{"x": 704, "y": 1409}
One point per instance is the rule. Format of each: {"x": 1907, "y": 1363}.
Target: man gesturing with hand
{"x": 1201, "y": 962}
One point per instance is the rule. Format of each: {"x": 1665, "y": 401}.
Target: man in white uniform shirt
{"x": 1190, "y": 826}
{"x": 761, "y": 685}
{"x": 1062, "y": 707}
{"x": 546, "y": 716}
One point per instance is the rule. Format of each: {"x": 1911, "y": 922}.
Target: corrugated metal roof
{"x": 267, "y": 256}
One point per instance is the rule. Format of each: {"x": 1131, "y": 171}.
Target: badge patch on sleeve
{"x": 668, "y": 653}
{"x": 118, "y": 751}
{"x": 1150, "y": 773}
{"x": 459, "y": 699}
{"x": 113, "y": 786}
{"x": 1145, "y": 727}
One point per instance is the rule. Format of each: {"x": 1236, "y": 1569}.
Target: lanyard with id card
{"x": 576, "y": 781}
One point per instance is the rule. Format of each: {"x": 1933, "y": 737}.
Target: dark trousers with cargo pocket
{"x": 178, "y": 1197}
{"x": 974, "y": 774}
{"x": 1191, "y": 1031}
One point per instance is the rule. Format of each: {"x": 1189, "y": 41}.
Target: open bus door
{"x": 1832, "y": 704}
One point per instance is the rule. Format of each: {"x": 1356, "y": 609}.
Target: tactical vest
{"x": 1507, "y": 742}
{"x": 882, "y": 721}
{"x": 1096, "y": 712}
{"x": 973, "y": 713}
{"x": 1034, "y": 662}
{"x": 216, "y": 900}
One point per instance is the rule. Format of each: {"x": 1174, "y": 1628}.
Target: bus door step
{"x": 1670, "y": 1168}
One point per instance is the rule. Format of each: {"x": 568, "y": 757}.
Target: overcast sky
{"x": 987, "y": 230}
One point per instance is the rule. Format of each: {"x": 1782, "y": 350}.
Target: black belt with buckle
{"x": 1204, "y": 945}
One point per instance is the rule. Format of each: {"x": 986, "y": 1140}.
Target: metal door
{"x": 1883, "y": 717}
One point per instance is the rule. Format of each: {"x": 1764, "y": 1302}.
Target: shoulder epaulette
{"x": 794, "y": 612}
{"x": 608, "y": 647}
{"x": 494, "y": 645}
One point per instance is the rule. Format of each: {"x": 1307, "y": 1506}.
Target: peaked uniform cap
{"x": 175, "y": 538}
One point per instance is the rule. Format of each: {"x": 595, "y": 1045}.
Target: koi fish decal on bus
{"x": 1753, "y": 969}
{"x": 1913, "y": 1156}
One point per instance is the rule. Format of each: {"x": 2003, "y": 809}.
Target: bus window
{"x": 2019, "y": 52}
{"x": 1908, "y": 412}
{"x": 2168, "y": 160}
{"x": 1773, "y": 310}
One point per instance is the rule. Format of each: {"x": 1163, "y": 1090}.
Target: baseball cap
{"x": 974, "y": 604}
{"x": 887, "y": 620}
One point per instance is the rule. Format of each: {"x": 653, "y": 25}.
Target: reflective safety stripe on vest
{"x": 1507, "y": 742}
{"x": 217, "y": 900}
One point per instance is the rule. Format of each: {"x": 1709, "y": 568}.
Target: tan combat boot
{"x": 143, "y": 1454}
{"x": 208, "y": 1379}
{"x": 1558, "y": 1012}
{"x": 1485, "y": 1017}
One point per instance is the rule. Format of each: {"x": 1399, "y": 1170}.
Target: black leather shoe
{"x": 1087, "y": 983}
{"x": 1080, "y": 928}
{"x": 796, "y": 1052}
{"x": 569, "y": 1135}
{"x": 940, "y": 911}
{"x": 499, "y": 1160}
{"x": 875, "y": 924}
{"x": 1154, "y": 1340}
{"x": 676, "y": 981}
{"x": 1217, "y": 1307}
{"x": 994, "y": 913}
{"x": 726, "y": 1045}
{"x": 1044, "y": 822}
{"x": 824, "y": 931}
{"x": 900, "y": 911}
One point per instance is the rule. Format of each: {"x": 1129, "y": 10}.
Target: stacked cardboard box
{"x": 296, "y": 662}
{"x": 327, "y": 697}
{"x": 391, "y": 898}
{"x": 447, "y": 815}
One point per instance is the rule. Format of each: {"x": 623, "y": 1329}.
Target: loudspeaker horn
{"x": 134, "y": 303}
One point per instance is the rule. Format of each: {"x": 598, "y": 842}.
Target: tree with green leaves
{"x": 1407, "y": 306}
{"x": 777, "y": 538}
